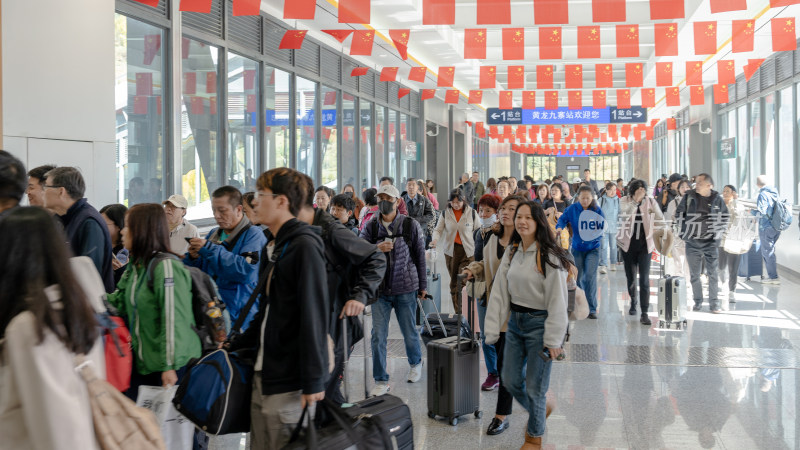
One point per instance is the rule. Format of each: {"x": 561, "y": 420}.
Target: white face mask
{"x": 488, "y": 222}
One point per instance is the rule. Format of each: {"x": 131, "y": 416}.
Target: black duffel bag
{"x": 343, "y": 432}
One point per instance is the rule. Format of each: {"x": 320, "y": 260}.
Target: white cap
{"x": 577, "y": 180}
{"x": 178, "y": 200}
{"x": 389, "y": 190}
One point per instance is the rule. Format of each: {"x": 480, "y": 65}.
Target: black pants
{"x": 504, "y": 398}
{"x": 729, "y": 268}
{"x": 638, "y": 261}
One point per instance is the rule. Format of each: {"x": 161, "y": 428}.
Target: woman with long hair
{"x": 491, "y": 186}
{"x": 45, "y": 320}
{"x": 659, "y": 188}
{"x": 542, "y": 195}
{"x": 322, "y": 198}
{"x": 114, "y": 215}
{"x": 530, "y": 289}
{"x": 678, "y": 251}
{"x": 489, "y": 252}
{"x": 350, "y": 190}
{"x": 424, "y": 189}
{"x": 156, "y": 301}
{"x": 729, "y": 262}
{"x": 431, "y": 186}
{"x": 370, "y": 208}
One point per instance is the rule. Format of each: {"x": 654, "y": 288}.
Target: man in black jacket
{"x": 355, "y": 270}
{"x": 703, "y": 217}
{"x": 669, "y": 194}
{"x": 290, "y": 331}
{"x": 419, "y": 207}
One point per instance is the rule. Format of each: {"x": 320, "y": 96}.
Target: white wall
{"x": 58, "y": 87}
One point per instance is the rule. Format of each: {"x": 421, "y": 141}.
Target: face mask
{"x": 386, "y": 207}
{"x": 487, "y": 223}
{"x": 349, "y": 194}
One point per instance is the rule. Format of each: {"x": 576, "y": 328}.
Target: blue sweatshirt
{"x": 587, "y": 226}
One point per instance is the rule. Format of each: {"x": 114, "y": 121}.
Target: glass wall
{"x": 744, "y": 152}
{"x": 605, "y": 168}
{"x": 541, "y": 168}
{"x": 380, "y": 140}
{"x": 276, "y": 98}
{"x": 366, "y": 150}
{"x": 306, "y": 102}
{"x": 139, "y": 99}
{"x": 391, "y": 138}
{"x": 786, "y": 149}
{"x": 330, "y": 139}
{"x": 769, "y": 135}
{"x": 349, "y": 166}
{"x": 242, "y": 122}
{"x": 754, "y": 162}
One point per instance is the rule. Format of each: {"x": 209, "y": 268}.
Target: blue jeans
{"x": 608, "y": 242}
{"x": 769, "y": 236}
{"x": 586, "y": 262}
{"x": 405, "y": 308}
{"x": 489, "y": 352}
{"x": 524, "y": 341}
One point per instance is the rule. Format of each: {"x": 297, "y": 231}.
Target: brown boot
{"x": 548, "y": 408}
{"x": 532, "y": 443}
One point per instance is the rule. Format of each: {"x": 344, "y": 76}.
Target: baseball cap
{"x": 178, "y": 200}
{"x": 674, "y": 177}
{"x": 389, "y": 190}
{"x": 577, "y": 180}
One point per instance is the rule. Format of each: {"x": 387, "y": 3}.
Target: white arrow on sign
{"x": 495, "y": 116}
{"x": 638, "y": 114}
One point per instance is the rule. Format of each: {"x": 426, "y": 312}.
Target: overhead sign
{"x": 727, "y": 149}
{"x": 634, "y": 114}
{"x": 542, "y": 116}
{"x": 281, "y": 118}
{"x": 497, "y": 116}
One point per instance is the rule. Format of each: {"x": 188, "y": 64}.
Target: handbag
{"x": 177, "y": 431}
{"x": 577, "y": 305}
{"x": 368, "y": 432}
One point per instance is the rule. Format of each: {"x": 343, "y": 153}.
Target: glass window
{"x": 405, "y": 162}
{"x": 392, "y": 139}
{"x": 139, "y": 81}
{"x": 242, "y": 122}
{"x": 786, "y": 155}
{"x": 349, "y": 157}
{"x": 366, "y": 153}
{"x": 744, "y": 152}
{"x": 276, "y": 99}
{"x": 769, "y": 136}
{"x": 755, "y": 142}
{"x": 380, "y": 126}
{"x": 200, "y": 125}
{"x": 330, "y": 146}
{"x": 305, "y": 101}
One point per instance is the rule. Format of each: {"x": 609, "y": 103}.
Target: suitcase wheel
{"x": 669, "y": 325}
{"x": 660, "y": 324}
{"x": 431, "y": 415}
{"x": 678, "y": 326}
{"x": 454, "y": 421}
{"x": 478, "y": 414}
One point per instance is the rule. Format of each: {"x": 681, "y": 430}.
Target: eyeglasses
{"x": 261, "y": 194}
{"x": 52, "y": 187}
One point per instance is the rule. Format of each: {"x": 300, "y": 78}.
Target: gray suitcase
{"x": 453, "y": 373}
{"x": 671, "y": 300}
{"x": 434, "y": 295}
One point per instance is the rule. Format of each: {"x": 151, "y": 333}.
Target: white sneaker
{"x": 415, "y": 373}
{"x": 613, "y": 267}
{"x": 380, "y": 388}
{"x": 770, "y": 281}
{"x": 603, "y": 269}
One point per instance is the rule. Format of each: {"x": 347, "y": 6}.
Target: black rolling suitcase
{"x": 439, "y": 326}
{"x": 453, "y": 371}
{"x": 752, "y": 264}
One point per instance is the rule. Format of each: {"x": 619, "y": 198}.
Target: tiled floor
{"x": 728, "y": 381}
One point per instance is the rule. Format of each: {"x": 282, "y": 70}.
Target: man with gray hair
{"x": 467, "y": 188}
{"x": 767, "y": 197}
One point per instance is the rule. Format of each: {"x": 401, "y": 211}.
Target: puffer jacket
{"x": 405, "y": 269}
{"x": 161, "y": 318}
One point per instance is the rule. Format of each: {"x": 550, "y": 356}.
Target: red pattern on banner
{"x": 506, "y": 99}
{"x": 529, "y": 100}
{"x": 673, "y": 95}
{"x": 549, "y": 12}
{"x": 475, "y": 97}
{"x": 488, "y": 77}
{"x": 551, "y": 100}
{"x": 199, "y": 6}
{"x": 252, "y": 103}
{"x": 438, "y": 12}
{"x": 666, "y": 39}
{"x": 389, "y": 74}
{"x": 648, "y": 98}
{"x": 428, "y": 94}
{"x": 705, "y": 38}
{"x": 513, "y": 43}
{"x": 140, "y": 104}
{"x": 359, "y": 71}
{"x": 445, "y": 77}
{"x": 663, "y": 74}
{"x": 726, "y": 71}
{"x": 634, "y": 74}
{"x": 299, "y": 9}
{"x": 751, "y": 67}
{"x": 494, "y": 12}
{"x": 589, "y": 42}
{"x": 697, "y": 95}
{"x": 292, "y": 40}
{"x": 627, "y": 41}
{"x": 475, "y": 43}
{"x": 694, "y": 73}
{"x": 152, "y": 44}
{"x": 417, "y": 74}
{"x": 402, "y": 92}
{"x": 211, "y": 82}
{"x": 575, "y": 100}
{"x": 400, "y": 40}
{"x": 544, "y": 77}
{"x": 604, "y": 75}
{"x": 718, "y": 6}
{"x": 784, "y": 37}
{"x": 339, "y": 35}
{"x": 623, "y": 98}
{"x": 354, "y": 11}
{"x": 666, "y": 9}
{"x": 598, "y": 99}
{"x": 573, "y": 75}
{"x": 246, "y": 7}
{"x": 608, "y": 11}
{"x": 743, "y": 35}
{"x": 144, "y": 83}
{"x": 720, "y": 93}
{"x": 516, "y": 77}
{"x": 550, "y": 43}
{"x": 362, "y": 42}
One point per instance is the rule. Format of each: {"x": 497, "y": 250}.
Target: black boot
{"x": 645, "y": 320}
{"x": 632, "y": 311}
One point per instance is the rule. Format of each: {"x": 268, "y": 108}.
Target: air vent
{"x": 382, "y": 92}
{"x": 366, "y": 84}
{"x": 160, "y": 10}
{"x": 405, "y": 102}
{"x": 393, "y": 89}
{"x": 767, "y": 73}
{"x": 210, "y": 23}
{"x": 414, "y": 100}
{"x": 244, "y": 30}
{"x": 272, "y": 40}
{"x": 784, "y": 65}
{"x": 331, "y": 64}
{"x": 348, "y": 81}
{"x": 308, "y": 57}
{"x": 741, "y": 88}
{"x": 754, "y": 85}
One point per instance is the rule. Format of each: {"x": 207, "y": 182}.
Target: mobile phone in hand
{"x": 188, "y": 239}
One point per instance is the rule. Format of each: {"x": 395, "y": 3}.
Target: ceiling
{"x": 443, "y": 45}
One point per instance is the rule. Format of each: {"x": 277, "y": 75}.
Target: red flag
{"x": 140, "y": 104}
{"x": 573, "y": 74}
{"x": 743, "y": 36}
{"x": 694, "y": 73}
{"x": 544, "y": 77}
{"x": 152, "y": 44}
{"x": 513, "y": 43}
{"x": 608, "y": 11}
{"x": 672, "y": 123}
{"x": 718, "y": 6}
{"x": 648, "y": 98}
{"x": 389, "y": 73}
{"x": 339, "y": 35}
{"x": 673, "y": 95}
{"x": 547, "y": 12}
{"x": 550, "y": 43}
{"x": 353, "y": 11}
{"x": 428, "y": 94}
{"x": 400, "y": 40}
{"x": 494, "y": 12}
{"x": 529, "y": 100}
{"x": 329, "y": 99}
{"x": 200, "y": 6}
{"x": 628, "y": 41}
{"x": 292, "y": 40}
{"x": 445, "y": 78}
{"x": 185, "y": 48}
{"x": 598, "y": 99}
{"x": 211, "y": 82}
{"x": 783, "y": 34}
{"x": 623, "y": 98}
{"x": 663, "y": 74}
{"x": 197, "y": 106}
{"x": 359, "y": 71}
{"x": 516, "y": 77}
{"x": 417, "y": 74}
{"x": 551, "y": 100}
{"x": 438, "y": 12}
{"x": 751, "y": 67}
{"x": 603, "y": 75}
{"x": 697, "y": 95}
{"x": 451, "y": 96}
{"x": 249, "y": 77}
{"x": 726, "y": 72}
{"x": 475, "y": 43}
{"x": 361, "y": 44}
{"x": 246, "y": 7}
{"x": 480, "y": 129}
{"x": 589, "y": 42}
{"x": 252, "y": 103}
{"x": 574, "y": 100}
{"x": 488, "y": 77}
{"x": 705, "y": 38}
{"x": 475, "y": 97}
{"x": 506, "y": 99}
{"x": 720, "y": 93}
{"x": 189, "y": 83}
{"x": 666, "y": 9}
{"x": 634, "y": 76}
{"x": 299, "y": 9}
{"x": 625, "y": 132}
{"x": 153, "y": 3}
{"x": 666, "y": 37}
{"x": 648, "y": 133}
{"x": 778, "y": 3}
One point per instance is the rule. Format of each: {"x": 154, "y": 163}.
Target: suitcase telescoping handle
{"x": 460, "y": 279}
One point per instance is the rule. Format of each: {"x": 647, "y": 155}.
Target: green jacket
{"x": 160, "y": 319}
{"x": 479, "y": 191}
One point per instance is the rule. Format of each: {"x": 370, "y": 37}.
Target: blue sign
{"x": 497, "y": 116}
{"x": 634, "y": 114}
{"x": 542, "y": 116}
{"x": 281, "y": 118}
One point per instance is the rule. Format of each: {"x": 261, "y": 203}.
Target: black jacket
{"x": 87, "y": 235}
{"x": 665, "y": 198}
{"x": 422, "y": 211}
{"x": 687, "y": 220}
{"x": 296, "y": 334}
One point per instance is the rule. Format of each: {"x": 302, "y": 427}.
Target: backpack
{"x": 781, "y": 217}
{"x": 408, "y": 224}
{"x": 208, "y": 309}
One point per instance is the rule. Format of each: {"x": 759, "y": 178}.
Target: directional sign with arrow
{"x": 634, "y": 114}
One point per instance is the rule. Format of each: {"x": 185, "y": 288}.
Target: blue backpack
{"x": 781, "y": 217}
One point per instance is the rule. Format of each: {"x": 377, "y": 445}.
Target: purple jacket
{"x": 405, "y": 270}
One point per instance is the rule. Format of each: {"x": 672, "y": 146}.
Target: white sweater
{"x": 519, "y": 282}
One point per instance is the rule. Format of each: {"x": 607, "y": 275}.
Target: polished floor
{"x": 727, "y": 381}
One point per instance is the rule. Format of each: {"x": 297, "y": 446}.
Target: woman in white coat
{"x": 455, "y": 230}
